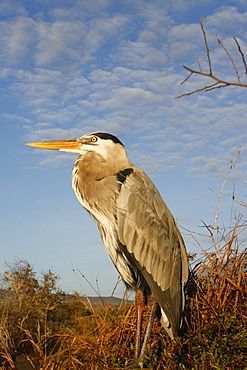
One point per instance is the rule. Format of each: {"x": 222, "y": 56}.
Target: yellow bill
{"x": 63, "y": 145}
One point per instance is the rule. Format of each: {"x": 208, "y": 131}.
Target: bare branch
{"x": 219, "y": 82}
{"x": 187, "y": 78}
{"x": 205, "y": 88}
{"x": 213, "y": 88}
{"x": 199, "y": 65}
{"x": 241, "y": 204}
{"x": 207, "y": 48}
{"x": 242, "y": 54}
{"x": 231, "y": 59}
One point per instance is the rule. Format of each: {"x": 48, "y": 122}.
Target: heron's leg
{"x": 153, "y": 310}
{"x": 140, "y": 301}
{"x": 140, "y": 350}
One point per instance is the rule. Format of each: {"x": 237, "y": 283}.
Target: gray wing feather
{"x": 148, "y": 230}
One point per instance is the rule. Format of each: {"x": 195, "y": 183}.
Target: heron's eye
{"x": 94, "y": 139}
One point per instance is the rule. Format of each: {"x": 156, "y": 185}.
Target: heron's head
{"x": 106, "y": 145}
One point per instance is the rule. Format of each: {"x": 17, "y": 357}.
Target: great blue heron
{"x": 135, "y": 224}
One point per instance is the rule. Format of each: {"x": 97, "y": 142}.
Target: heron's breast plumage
{"x": 99, "y": 199}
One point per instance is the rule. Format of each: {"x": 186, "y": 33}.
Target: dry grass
{"x": 213, "y": 336}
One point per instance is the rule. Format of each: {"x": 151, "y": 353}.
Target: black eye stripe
{"x": 105, "y": 136}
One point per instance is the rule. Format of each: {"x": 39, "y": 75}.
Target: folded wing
{"x": 148, "y": 230}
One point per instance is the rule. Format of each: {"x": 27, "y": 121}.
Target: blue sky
{"x": 73, "y": 67}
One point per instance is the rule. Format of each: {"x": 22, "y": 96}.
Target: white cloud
{"x": 130, "y": 88}
{"x": 46, "y": 44}
{"x": 11, "y": 8}
{"x": 181, "y": 49}
{"x": 127, "y": 96}
{"x": 58, "y": 42}
{"x": 56, "y": 160}
{"x": 46, "y": 134}
{"x": 139, "y": 55}
{"x": 185, "y": 32}
{"x": 16, "y": 118}
{"x": 17, "y": 36}
{"x": 80, "y": 9}
{"x": 227, "y": 20}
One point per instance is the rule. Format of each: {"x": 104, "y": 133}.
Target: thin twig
{"x": 199, "y": 65}
{"x": 191, "y": 73}
{"x": 208, "y": 227}
{"x": 207, "y": 48}
{"x": 222, "y": 188}
{"x": 242, "y": 54}
{"x": 231, "y": 59}
{"x": 215, "y": 87}
{"x": 239, "y": 173}
{"x": 241, "y": 204}
{"x": 211, "y": 87}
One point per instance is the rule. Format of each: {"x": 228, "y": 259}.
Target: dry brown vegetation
{"x": 51, "y": 334}
{"x": 80, "y": 335}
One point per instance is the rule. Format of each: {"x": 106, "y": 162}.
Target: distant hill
{"x": 6, "y": 294}
{"x": 109, "y": 300}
